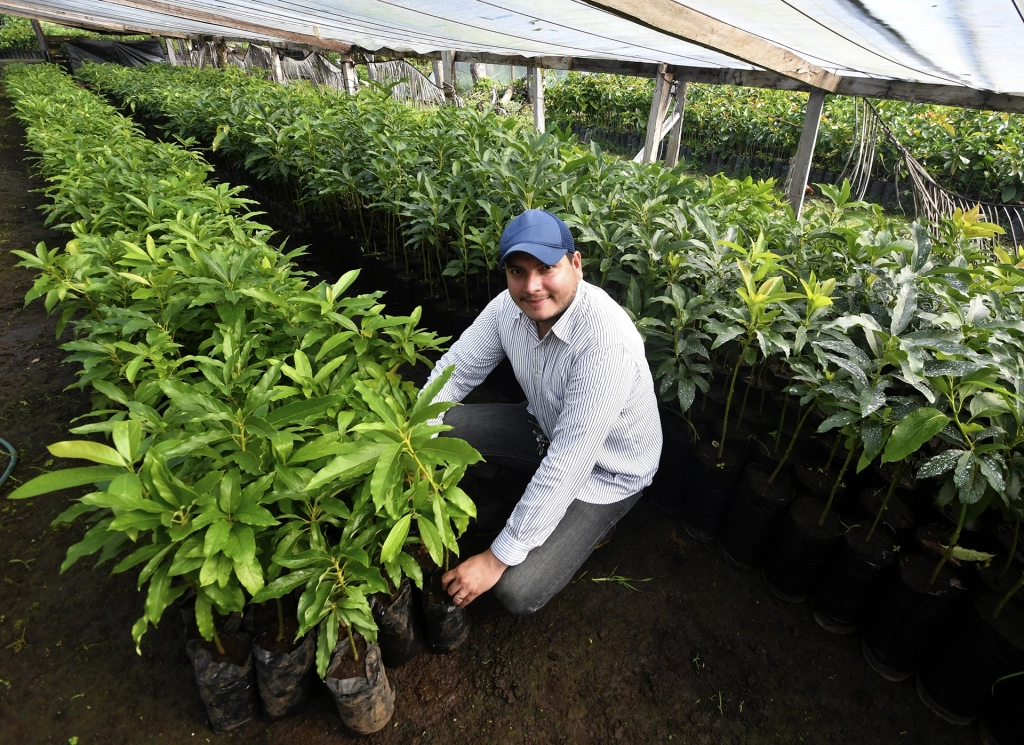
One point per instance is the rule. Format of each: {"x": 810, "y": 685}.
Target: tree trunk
{"x": 477, "y": 70}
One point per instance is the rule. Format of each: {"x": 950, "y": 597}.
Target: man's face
{"x": 543, "y": 292}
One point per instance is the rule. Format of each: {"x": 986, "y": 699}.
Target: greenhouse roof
{"x": 934, "y": 50}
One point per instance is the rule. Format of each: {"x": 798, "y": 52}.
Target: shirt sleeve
{"x": 475, "y": 354}
{"x": 595, "y": 396}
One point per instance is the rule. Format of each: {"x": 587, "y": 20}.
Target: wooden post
{"x": 171, "y": 56}
{"x": 348, "y": 75}
{"x": 222, "y": 53}
{"x": 438, "y": 75}
{"x": 805, "y": 151}
{"x": 41, "y": 39}
{"x": 537, "y": 88}
{"x": 659, "y": 105}
{"x": 276, "y": 68}
{"x": 676, "y": 136}
{"x": 448, "y": 74}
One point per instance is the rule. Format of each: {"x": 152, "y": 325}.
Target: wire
{"x": 14, "y": 459}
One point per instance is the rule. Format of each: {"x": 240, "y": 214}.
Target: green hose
{"x": 14, "y": 459}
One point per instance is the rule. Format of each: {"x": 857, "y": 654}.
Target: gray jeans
{"x": 513, "y": 446}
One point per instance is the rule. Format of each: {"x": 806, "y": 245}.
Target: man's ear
{"x": 577, "y": 260}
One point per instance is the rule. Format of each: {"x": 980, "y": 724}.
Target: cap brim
{"x": 544, "y": 254}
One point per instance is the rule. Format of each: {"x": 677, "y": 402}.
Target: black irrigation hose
{"x": 14, "y": 459}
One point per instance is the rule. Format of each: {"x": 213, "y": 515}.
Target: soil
{"x": 268, "y": 638}
{"x": 703, "y": 654}
{"x": 350, "y": 667}
{"x": 236, "y": 650}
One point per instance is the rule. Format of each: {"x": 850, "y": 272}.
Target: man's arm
{"x": 595, "y": 396}
{"x": 475, "y": 354}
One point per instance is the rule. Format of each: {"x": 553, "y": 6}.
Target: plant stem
{"x": 746, "y": 394}
{"x": 782, "y": 422}
{"x": 792, "y": 442}
{"x": 832, "y": 455}
{"x": 1006, "y": 598}
{"x": 728, "y": 403}
{"x": 280, "y": 619}
{"x": 885, "y": 502}
{"x": 351, "y": 642}
{"x": 952, "y": 544}
{"x": 839, "y": 480}
{"x": 216, "y": 641}
{"x": 1013, "y": 549}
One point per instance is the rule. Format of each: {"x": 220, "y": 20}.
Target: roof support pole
{"x": 222, "y": 53}
{"x": 438, "y": 76}
{"x": 172, "y": 56}
{"x": 659, "y": 106}
{"x": 41, "y": 39}
{"x": 348, "y": 75}
{"x": 676, "y": 136}
{"x": 801, "y": 167}
{"x": 448, "y": 74}
{"x": 537, "y": 89}
{"x": 275, "y": 66}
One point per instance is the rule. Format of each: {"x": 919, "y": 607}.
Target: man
{"x": 589, "y": 436}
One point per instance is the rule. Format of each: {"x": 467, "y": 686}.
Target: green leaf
{"x": 204, "y": 616}
{"x": 65, "y": 479}
{"x": 451, "y": 450}
{"x": 915, "y": 430}
{"x": 396, "y": 539}
{"x": 431, "y": 539}
{"x": 87, "y": 450}
{"x": 283, "y": 585}
{"x": 386, "y": 474}
{"x": 939, "y": 464}
{"x": 348, "y": 466}
{"x": 250, "y": 574}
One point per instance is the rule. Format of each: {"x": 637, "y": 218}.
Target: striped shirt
{"x": 588, "y": 384}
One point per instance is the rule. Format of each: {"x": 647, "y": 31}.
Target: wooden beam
{"x": 801, "y": 167}
{"x": 659, "y": 106}
{"x": 537, "y": 86}
{"x": 201, "y": 16}
{"x": 669, "y": 17}
{"x": 41, "y": 39}
{"x": 76, "y": 20}
{"x": 348, "y": 75}
{"x": 676, "y": 137}
{"x": 943, "y": 95}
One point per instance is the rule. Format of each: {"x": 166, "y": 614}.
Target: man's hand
{"x": 473, "y": 577}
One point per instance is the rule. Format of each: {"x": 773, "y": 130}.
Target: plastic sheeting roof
{"x": 971, "y": 43}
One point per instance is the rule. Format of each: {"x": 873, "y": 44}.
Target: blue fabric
{"x": 539, "y": 234}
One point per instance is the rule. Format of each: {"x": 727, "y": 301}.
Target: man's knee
{"x": 519, "y": 600}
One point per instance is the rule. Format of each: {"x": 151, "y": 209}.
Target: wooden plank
{"x": 537, "y": 87}
{"x": 77, "y": 20}
{"x": 37, "y": 27}
{"x": 448, "y": 74}
{"x": 172, "y": 56}
{"x": 676, "y": 136}
{"x": 801, "y": 167}
{"x": 201, "y": 16}
{"x": 275, "y": 65}
{"x": 669, "y": 17}
{"x": 659, "y": 105}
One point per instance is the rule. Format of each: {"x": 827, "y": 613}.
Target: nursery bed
{"x": 702, "y": 653}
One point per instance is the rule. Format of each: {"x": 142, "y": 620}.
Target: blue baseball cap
{"x": 539, "y": 234}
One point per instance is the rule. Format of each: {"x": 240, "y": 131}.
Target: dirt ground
{"x": 699, "y": 652}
